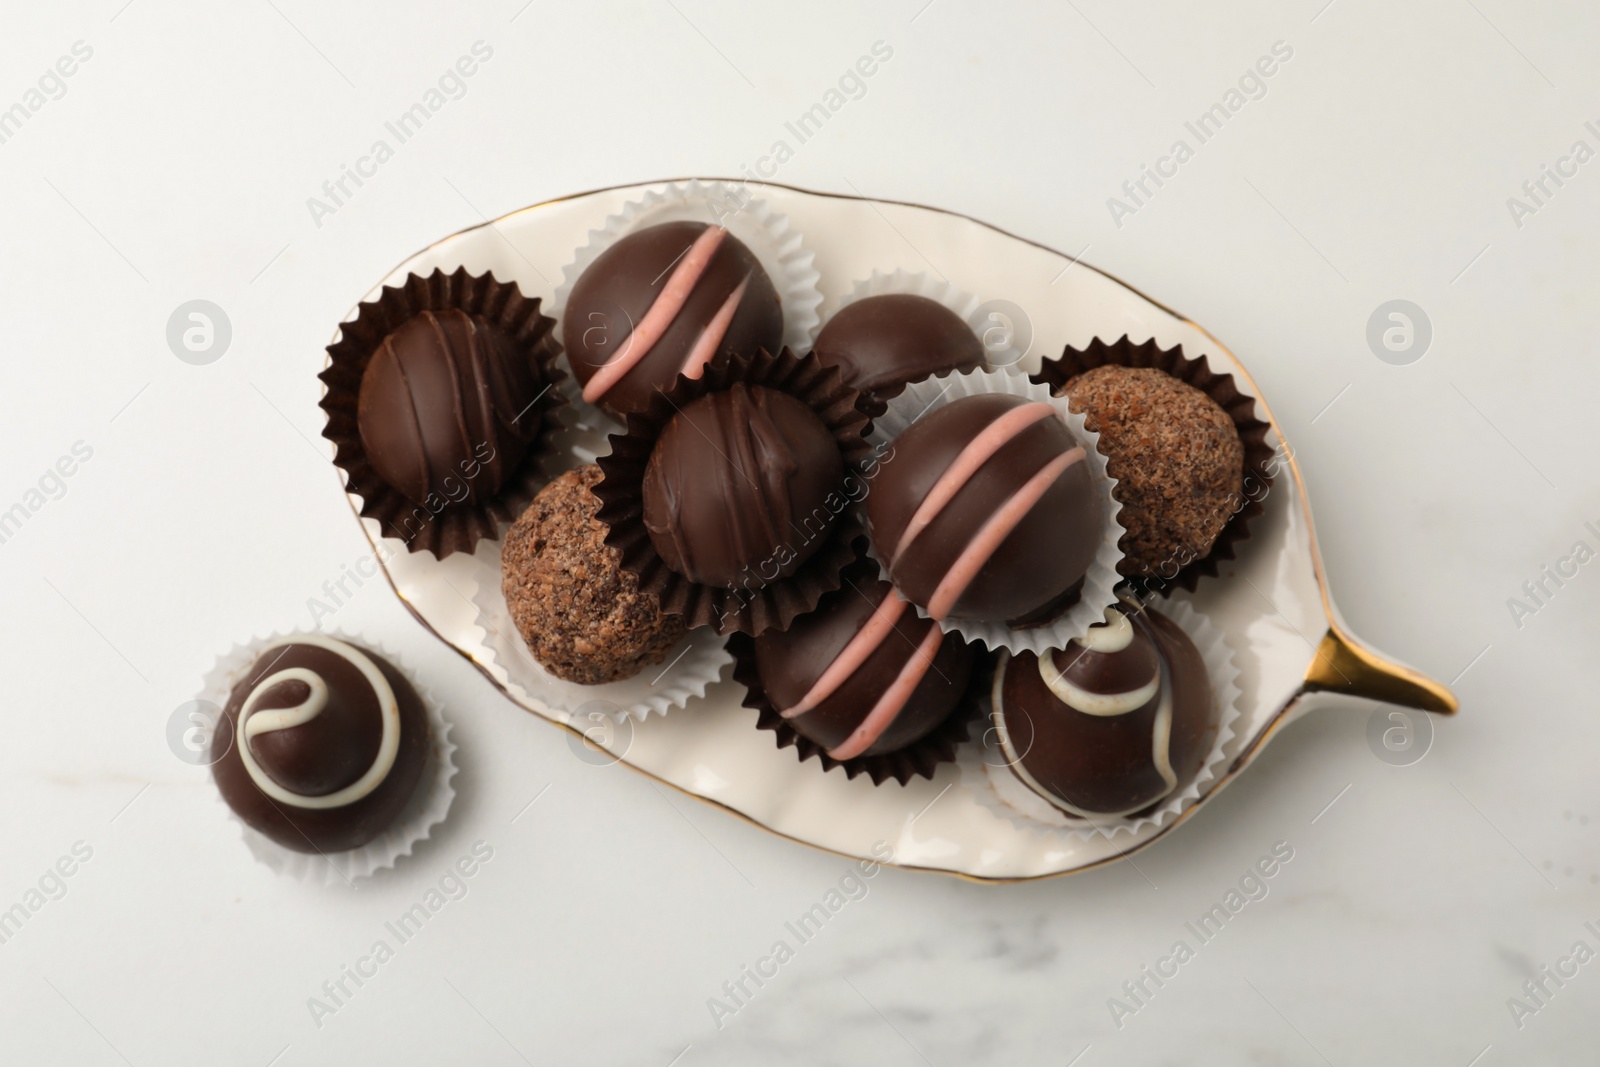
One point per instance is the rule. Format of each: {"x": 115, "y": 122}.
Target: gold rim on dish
{"x": 1339, "y": 664}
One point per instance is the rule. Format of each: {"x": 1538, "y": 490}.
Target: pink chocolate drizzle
{"x": 978, "y": 451}
{"x": 664, "y": 310}
{"x": 710, "y": 339}
{"x": 893, "y": 700}
{"x": 993, "y": 532}
{"x": 860, "y": 647}
{"x": 855, "y": 653}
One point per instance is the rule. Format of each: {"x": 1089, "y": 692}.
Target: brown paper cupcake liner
{"x": 750, "y": 610}
{"x": 918, "y": 760}
{"x": 1259, "y": 459}
{"x": 453, "y": 527}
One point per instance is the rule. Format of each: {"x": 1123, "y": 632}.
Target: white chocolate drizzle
{"x": 1104, "y": 705}
{"x": 250, "y": 725}
{"x": 1114, "y": 636}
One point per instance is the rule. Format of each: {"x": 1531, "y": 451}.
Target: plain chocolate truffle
{"x": 582, "y": 616}
{"x": 1177, "y": 458}
{"x": 447, "y": 408}
{"x": 881, "y": 343}
{"x": 665, "y": 301}
{"x": 741, "y": 485}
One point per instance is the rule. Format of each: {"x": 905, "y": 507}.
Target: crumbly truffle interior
{"x": 582, "y": 616}
{"x": 1177, "y": 458}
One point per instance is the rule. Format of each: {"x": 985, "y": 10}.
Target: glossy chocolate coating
{"x": 742, "y": 485}
{"x": 319, "y": 757}
{"x": 617, "y": 290}
{"x": 446, "y": 409}
{"x": 881, "y": 343}
{"x": 1036, "y": 570}
{"x": 335, "y": 748}
{"x": 792, "y": 661}
{"x": 1105, "y": 763}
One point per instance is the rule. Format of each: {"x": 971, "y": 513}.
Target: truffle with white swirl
{"x": 321, "y": 744}
{"x": 1111, "y": 724}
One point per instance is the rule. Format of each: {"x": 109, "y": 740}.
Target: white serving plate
{"x": 1292, "y": 649}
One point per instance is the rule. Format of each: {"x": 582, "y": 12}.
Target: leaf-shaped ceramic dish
{"x": 1292, "y": 649}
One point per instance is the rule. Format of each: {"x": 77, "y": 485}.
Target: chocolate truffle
{"x": 863, "y": 675}
{"x": 580, "y": 613}
{"x": 447, "y": 407}
{"x": 321, "y": 745}
{"x": 1177, "y": 458}
{"x": 1110, "y": 724}
{"x": 985, "y": 509}
{"x": 881, "y": 343}
{"x": 742, "y": 482}
{"x": 665, "y": 301}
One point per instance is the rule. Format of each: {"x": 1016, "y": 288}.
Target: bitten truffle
{"x": 1177, "y": 458}
{"x": 582, "y": 616}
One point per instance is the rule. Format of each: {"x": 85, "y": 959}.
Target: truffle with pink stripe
{"x": 863, "y": 675}
{"x": 987, "y": 510}
{"x": 662, "y": 302}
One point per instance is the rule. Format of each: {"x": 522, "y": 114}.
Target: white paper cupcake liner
{"x": 687, "y": 671}
{"x": 999, "y": 344}
{"x": 1099, "y": 583}
{"x": 779, "y": 249}
{"x": 428, "y": 807}
{"x": 986, "y": 773}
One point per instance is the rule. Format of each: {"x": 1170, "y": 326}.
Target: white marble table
{"x": 179, "y": 161}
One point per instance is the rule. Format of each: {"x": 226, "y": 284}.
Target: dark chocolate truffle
{"x": 580, "y": 613}
{"x": 742, "y": 483}
{"x": 1177, "y": 458}
{"x": 1111, "y": 724}
{"x": 881, "y": 343}
{"x": 447, "y": 408}
{"x": 985, "y": 509}
{"x": 665, "y": 301}
{"x": 863, "y": 675}
{"x": 321, "y": 745}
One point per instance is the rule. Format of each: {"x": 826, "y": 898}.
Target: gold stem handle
{"x": 1342, "y": 665}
